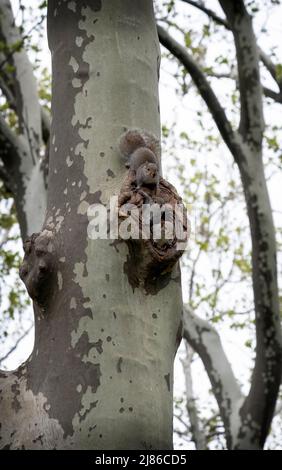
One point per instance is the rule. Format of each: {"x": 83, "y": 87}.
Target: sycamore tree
{"x": 100, "y": 374}
{"x": 89, "y": 373}
{"x": 246, "y": 418}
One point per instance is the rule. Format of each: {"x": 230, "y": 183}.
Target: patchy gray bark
{"x": 257, "y": 409}
{"x": 101, "y": 372}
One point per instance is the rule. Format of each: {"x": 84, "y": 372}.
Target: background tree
{"x": 246, "y": 148}
{"x": 209, "y": 59}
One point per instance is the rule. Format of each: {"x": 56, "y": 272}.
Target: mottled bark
{"x": 258, "y": 409}
{"x": 101, "y": 373}
{"x": 245, "y": 144}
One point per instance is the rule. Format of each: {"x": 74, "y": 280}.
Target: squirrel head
{"x": 140, "y": 156}
{"x": 147, "y": 174}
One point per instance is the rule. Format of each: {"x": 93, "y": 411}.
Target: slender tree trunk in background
{"x": 247, "y": 419}
{"x": 20, "y": 150}
{"x": 101, "y": 373}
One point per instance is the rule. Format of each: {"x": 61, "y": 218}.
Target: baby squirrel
{"x": 141, "y": 151}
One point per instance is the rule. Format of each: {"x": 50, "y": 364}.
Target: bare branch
{"x": 217, "y": 19}
{"x": 198, "y": 435}
{"x": 203, "y": 86}
{"x": 270, "y": 66}
{"x": 263, "y": 56}
{"x": 20, "y": 44}
{"x": 8, "y": 93}
{"x": 272, "y": 94}
{"x": 205, "y": 340}
{"x": 6, "y": 90}
{"x": 26, "y": 96}
{"x": 26, "y": 181}
{"x": 19, "y": 340}
{"x": 267, "y": 91}
{"x": 10, "y": 144}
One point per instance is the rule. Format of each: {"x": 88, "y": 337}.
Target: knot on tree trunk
{"x": 39, "y": 265}
{"x": 153, "y": 222}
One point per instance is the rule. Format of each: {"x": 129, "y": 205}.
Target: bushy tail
{"x": 133, "y": 139}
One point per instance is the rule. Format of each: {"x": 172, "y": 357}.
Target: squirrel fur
{"x": 141, "y": 152}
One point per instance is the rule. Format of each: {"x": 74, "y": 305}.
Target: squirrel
{"x": 141, "y": 151}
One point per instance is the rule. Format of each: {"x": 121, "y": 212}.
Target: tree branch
{"x": 268, "y": 93}
{"x": 203, "y": 86}
{"x": 272, "y": 94}
{"x": 8, "y": 93}
{"x": 205, "y": 340}
{"x": 217, "y": 19}
{"x": 198, "y": 435}
{"x": 251, "y": 121}
{"x": 22, "y": 159}
{"x": 6, "y": 90}
{"x": 25, "y": 333}
{"x": 23, "y": 178}
{"x": 270, "y": 66}
{"x": 26, "y": 96}
{"x": 263, "y": 56}
{"x": 10, "y": 144}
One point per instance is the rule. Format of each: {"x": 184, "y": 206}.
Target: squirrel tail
{"x": 133, "y": 139}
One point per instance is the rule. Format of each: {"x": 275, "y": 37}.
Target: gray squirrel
{"x": 141, "y": 151}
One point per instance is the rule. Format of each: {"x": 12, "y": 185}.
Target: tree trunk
{"x": 101, "y": 372}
